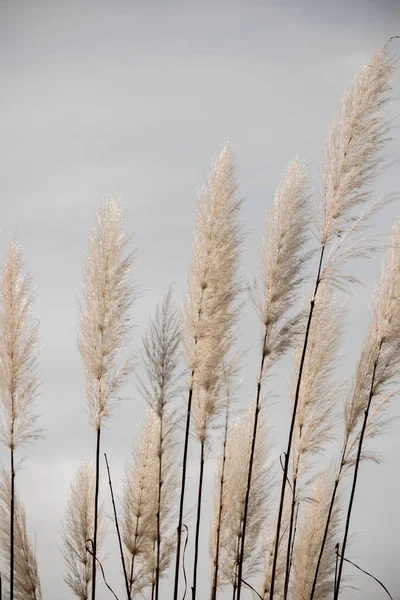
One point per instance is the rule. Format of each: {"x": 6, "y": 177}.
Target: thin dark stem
{"x": 12, "y": 511}
{"x": 294, "y": 412}
{"x": 96, "y": 513}
{"x": 293, "y": 540}
{"x": 220, "y": 507}
{"x": 182, "y": 497}
{"x": 101, "y": 568}
{"x": 356, "y": 468}
{"x": 198, "y": 519}
{"x": 236, "y": 568}
{"x": 153, "y": 587}
{"x": 160, "y": 483}
{"x": 366, "y": 573}
{"x": 118, "y": 530}
{"x": 250, "y": 469}
{"x": 289, "y": 543}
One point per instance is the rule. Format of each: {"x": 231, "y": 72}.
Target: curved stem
{"x": 118, "y": 531}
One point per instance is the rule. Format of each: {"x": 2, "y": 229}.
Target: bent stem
{"x": 355, "y": 476}
{"x": 118, "y": 530}
{"x": 291, "y": 431}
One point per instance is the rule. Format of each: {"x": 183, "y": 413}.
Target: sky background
{"x": 142, "y": 96}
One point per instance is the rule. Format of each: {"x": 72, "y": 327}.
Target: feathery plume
{"x": 104, "y": 315}
{"x": 18, "y": 370}
{"x": 77, "y": 529}
{"x": 309, "y": 537}
{"x": 18, "y": 353}
{"x": 283, "y": 258}
{"x": 26, "y": 576}
{"x": 104, "y": 325}
{"x": 353, "y": 151}
{"x": 161, "y": 361}
{"x": 234, "y": 494}
{"x": 211, "y": 307}
{"x": 140, "y": 526}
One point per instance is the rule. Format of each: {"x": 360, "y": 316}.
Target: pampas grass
{"x": 25, "y": 573}
{"x": 351, "y": 162}
{"x": 210, "y": 312}
{"x": 287, "y": 542}
{"x": 104, "y": 325}
{"x": 77, "y": 531}
{"x": 18, "y": 377}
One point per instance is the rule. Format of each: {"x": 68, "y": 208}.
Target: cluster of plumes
{"x": 319, "y": 393}
{"x": 77, "y": 531}
{"x": 233, "y": 499}
{"x": 353, "y": 151}
{"x": 212, "y": 305}
{"x": 283, "y": 257}
{"x": 140, "y": 503}
{"x": 26, "y": 576}
{"x": 104, "y": 314}
{"x": 379, "y": 364}
{"x": 18, "y": 353}
{"x": 309, "y": 539}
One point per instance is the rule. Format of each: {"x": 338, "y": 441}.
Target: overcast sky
{"x": 142, "y": 95}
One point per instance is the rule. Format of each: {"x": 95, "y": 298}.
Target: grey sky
{"x": 142, "y": 96}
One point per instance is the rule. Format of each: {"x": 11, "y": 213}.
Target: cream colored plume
{"x": 140, "y": 503}
{"x": 309, "y": 537}
{"x": 353, "y": 154}
{"x": 379, "y": 361}
{"x": 283, "y": 257}
{"x": 26, "y": 576}
{"x": 212, "y": 304}
{"x": 104, "y": 324}
{"x": 77, "y": 530}
{"x": 234, "y": 493}
{"x": 18, "y": 353}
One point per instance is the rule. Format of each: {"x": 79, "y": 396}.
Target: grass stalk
{"x": 96, "y": 512}
{"x": 198, "y": 521}
{"x": 291, "y": 431}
